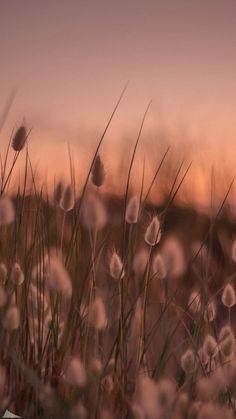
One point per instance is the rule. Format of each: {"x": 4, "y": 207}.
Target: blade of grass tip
{"x": 75, "y": 226}
{"x": 180, "y": 184}
{"x": 155, "y": 175}
{"x": 7, "y": 108}
{"x": 131, "y": 164}
{"x": 217, "y": 215}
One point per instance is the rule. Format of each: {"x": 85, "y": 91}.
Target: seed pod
{"x": 153, "y": 234}
{"x": 17, "y": 275}
{"x": 94, "y": 213}
{"x": 228, "y": 296}
{"x": 97, "y": 315}
{"x": 98, "y": 172}
{"x": 188, "y": 361}
{"x": 67, "y": 201}
{"x": 19, "y": 138}
{"x": 210, "y": 346}
{"x": 132, "y": 210}
{"x": 116, "y": 266}
{"x": 75, "y": 373}
{"x": 210, "y": 312}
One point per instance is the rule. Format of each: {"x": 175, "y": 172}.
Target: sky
{"x": 70, "y": 60}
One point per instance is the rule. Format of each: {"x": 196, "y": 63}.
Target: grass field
{"x": 111, "y": 307}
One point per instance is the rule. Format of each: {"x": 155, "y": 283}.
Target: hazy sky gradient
{"x": 70, "y": 60}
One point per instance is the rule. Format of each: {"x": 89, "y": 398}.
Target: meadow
{"x": 112, "y": 307}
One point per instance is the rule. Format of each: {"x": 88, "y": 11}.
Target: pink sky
{"x": 70, "y": 60}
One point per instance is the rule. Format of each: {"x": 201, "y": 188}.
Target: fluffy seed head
{"x": 188, "y": 361}
{"x": 58, "y": 192}
{"x": 97, "y": 315}
{"x": 11, "y": 320}
{"x": 19, "y": 138}
{"x": 159, "y": 267}
{"x": 227, "y": 347}
{"x": 116, "y": 266}
{"x": 67, "y": 201}
{"x": 7, "y": 211}
{"x": 98, "y": 172}
{"x": 17, "y": 275}
{"x": 194, "y": 302}
{"x": 3, "y": 273}
{"x": 57, "y": 277}
{"x": 75, "y": 373}
{"x": 210, "y": 312}
{"x": 210, "y": 346}
{"x": 153, "y": 233}
{"x": 225, "y": 332}
{"x": 94, "y": 214}
{"x": 228, "y": 297}
{"x": 132, "y": 210}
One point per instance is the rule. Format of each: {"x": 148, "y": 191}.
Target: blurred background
{"x": 69, "y": 61}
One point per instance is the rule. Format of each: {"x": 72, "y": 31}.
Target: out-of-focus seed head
{"x": 234, "y": 251}
{"x": 3, "y": 273}
{"x": 19, "y": 138}
{"x": 132, "y": 210}
{"x": 58, "y": 192}
{"x": 228, "y": 296}
{"x": 210, "y": 312}
{"x": 140, "y": 263}
{"x": 7, "y": 211}
{"x": 188, "y": 361}
{"x": 97, "y": 314}
{"x": 116, "y": 266}
{"x": 227, "y": 347}
{"x": 68, "y": 200}
{"x": 17, "y": 275}
{"x": 153, "y": 232}
{"x": 194, "y": 409}
{"x": 159, "y": 267}
{"x": 194, "y": 302}
{"x": 3, "y": 297}
{"x": 210, "y": 346}
{"x": 75, "y": 373}
{"x": 79, "y": 412}
{"x": 174, "y": 256}
{"x": 94, "y": 214}
{"x": 137, "y": 411}
{"x": 11, "y": 320}
{"x": 56, "y": 276}
{"x": 225, "y": 332}
{"x": 98, "y": 172}
{"x": 95, "y": 367}
{"x": 147, "y": 395}
{"x": 166, "y": 391}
